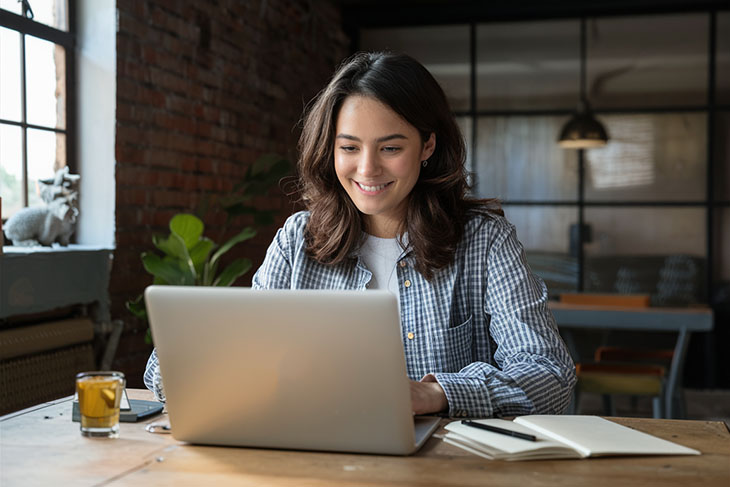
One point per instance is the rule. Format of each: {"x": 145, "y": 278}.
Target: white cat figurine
{"x": 54, "y": 222}
{"x": 42, "y": 225}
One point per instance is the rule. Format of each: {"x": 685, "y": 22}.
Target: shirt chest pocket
{"x": 452, "y": 347}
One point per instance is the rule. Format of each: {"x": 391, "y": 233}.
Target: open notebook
{"x": 559, "y": 437}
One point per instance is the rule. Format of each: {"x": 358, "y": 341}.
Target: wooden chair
{"x": 619, "y": 370}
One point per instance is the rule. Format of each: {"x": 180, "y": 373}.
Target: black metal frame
{"x": 363, "y": 14}
{"x": 580, "y": 203}
{"x": 386, "y": 13}
{"x": 68, "y": 41}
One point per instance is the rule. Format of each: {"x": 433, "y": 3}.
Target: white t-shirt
{"x": 380, "y": 256}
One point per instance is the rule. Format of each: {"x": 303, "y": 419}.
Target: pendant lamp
{"x": 583, "y": 130}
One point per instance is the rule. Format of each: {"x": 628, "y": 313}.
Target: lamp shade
{"x": 583, "y": 131}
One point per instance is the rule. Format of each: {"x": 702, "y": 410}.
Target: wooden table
{"x": 683, "y": 321}
{"x": 42, "y": 446}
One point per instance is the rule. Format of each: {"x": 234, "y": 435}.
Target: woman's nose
{"x": 369, "y": 164}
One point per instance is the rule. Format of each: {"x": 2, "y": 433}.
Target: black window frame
{"x": 357, "y": 17}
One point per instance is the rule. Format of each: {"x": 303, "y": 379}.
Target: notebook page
{"x": 501, "y": 445}
{"x": 595, "y": 436}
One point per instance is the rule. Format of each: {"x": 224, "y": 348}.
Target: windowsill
{"x": 18, "y": 249}
{"x": 39, "y": 279}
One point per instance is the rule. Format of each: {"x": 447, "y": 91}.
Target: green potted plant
{"x": 191, "y": 259}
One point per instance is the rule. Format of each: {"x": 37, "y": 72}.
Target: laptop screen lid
{"x": 294, "y": 369}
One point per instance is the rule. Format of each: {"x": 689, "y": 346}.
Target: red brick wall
{"x": 203, "y": 89}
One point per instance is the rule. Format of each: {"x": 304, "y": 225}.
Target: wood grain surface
{"x": 42, "y": 446}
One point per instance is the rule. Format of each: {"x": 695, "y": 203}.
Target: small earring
{"x": 424, "y": 163}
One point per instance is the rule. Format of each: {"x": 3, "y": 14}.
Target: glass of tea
{"x": 99, "y": 396}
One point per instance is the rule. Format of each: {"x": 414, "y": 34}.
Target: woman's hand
{"x": 427, "y": 396}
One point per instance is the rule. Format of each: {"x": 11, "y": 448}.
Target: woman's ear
{"x": 429, "y": 147}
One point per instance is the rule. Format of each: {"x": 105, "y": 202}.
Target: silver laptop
{"x": 305, "y": 370}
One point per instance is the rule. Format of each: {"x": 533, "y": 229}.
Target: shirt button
{"x": 410, "y": 335}
{"x": 402, "y": 263}
{"x": 407, "y": 283}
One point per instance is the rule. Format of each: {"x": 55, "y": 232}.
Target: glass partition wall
{"x": 655, "y": 201}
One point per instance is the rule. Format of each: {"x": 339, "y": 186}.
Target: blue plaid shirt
{"x": 481, "y": 325}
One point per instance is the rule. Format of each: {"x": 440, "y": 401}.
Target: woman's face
{"x": 377, "y": 160}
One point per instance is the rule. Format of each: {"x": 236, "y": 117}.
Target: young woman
{"x": 382, "y": 176}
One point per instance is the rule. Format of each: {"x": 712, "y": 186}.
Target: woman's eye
{"x": 348, "y": 148}
{"x": 391, "y": 149}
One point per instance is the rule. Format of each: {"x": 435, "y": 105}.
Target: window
{"x": 644, "y": 199}
{"x": 36, "y": 97}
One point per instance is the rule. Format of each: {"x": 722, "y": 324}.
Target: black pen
{"x": 501, "y": 431}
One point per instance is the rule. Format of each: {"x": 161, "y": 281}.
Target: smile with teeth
{"x": 372, "y": 189}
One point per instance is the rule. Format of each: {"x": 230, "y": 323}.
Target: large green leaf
{"x": 245, "y": 234}
{"x": 137, "y": 307}
{"x": 183, "y": 256}
{"x": 172, "y": 245}
{"x": 186, "y": 267}
{"x": 170, "y": 270}
{"x": 187, "y": 226}
{"x": 209, "y": 271}
{"x": 199, "y": 254}
{"x": 162, "y": 244}
{"x": 233, "y": 271}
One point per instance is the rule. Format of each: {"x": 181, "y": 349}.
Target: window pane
{"x": 10, "y": 79}
{"x": 11, "y": 169}
{"x": 51, "y": 12}
{"x": 545, "y": 234}
{"x": 656, "y": 251}
{"x": 13, "y": 6}
{"x": 528, "y": 65}
{"x": 722, "y": 156}
{"x": 465, "y": 126}
{"x": 46, "y": 154}
{"x": 518, "y": 158}
{"x": 648, "y": 60}
{"x": 444, "y": 50}
{"x": 722, "y": 246}
{"x": 722, "y": 59}
{"x": 45, "y": 83}
{"x": 650, "y": 157}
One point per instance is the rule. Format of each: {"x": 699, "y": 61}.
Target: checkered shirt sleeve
{"x": 531, "y": 371}
{"x": 153, "y": 378}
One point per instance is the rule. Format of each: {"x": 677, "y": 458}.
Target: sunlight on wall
{"x": 628, "y": 160}
{"x": 96, "y": 55}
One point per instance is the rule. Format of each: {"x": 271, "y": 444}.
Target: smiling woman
{"x": 378, "y": 160}
{"x": 382, "y": 175}
{"x": 385, "y": 95}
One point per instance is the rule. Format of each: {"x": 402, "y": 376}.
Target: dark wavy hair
{"x": 438, "y": 206}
